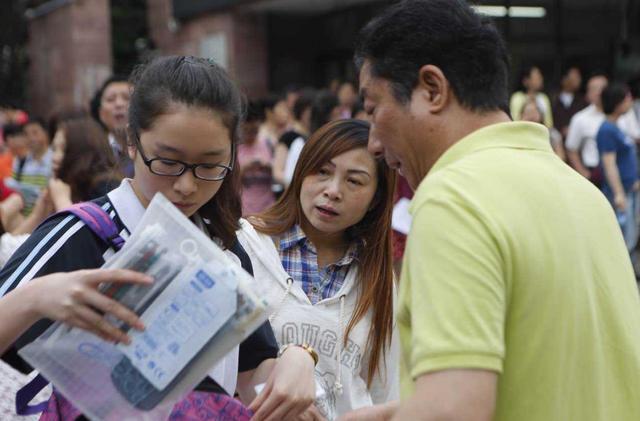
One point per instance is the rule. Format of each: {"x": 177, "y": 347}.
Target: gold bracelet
{"x": 304, "y": 346}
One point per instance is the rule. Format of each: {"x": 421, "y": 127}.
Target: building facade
{"x": 267, "y": 45}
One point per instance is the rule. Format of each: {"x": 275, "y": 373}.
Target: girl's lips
{"x": 326, "y": 211}
{"x": 183, "y": 205}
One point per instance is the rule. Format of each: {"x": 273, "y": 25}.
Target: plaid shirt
{"x": 300, "y": 260}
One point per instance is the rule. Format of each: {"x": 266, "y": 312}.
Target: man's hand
{"x": 620, "y": 201}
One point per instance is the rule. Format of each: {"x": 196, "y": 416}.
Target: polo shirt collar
{"x": 126, "y": 204}
{"x": 512, "y": 135}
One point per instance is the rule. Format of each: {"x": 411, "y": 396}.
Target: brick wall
{"x": 238, "y": 41}
{"x": 70, "y": 56}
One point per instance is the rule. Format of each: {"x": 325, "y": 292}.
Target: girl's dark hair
{"x": 375, "y": 258}
{"x": 254, "y": 112}
{"x": 196, "y": 82}
{"x": 270, "y": 101}
{"x": 321, "y": 109}
{"x": 304, "y": 101}
{"x": 88, "y": 160}
{"x": 525, "y": 73}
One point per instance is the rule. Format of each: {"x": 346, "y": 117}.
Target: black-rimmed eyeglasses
{"x": 175, "y": 168}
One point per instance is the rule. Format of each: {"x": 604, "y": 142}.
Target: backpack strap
{"x": 240, "y": 252}
{"x": 98, "y": 220}
{"x": 27, "y": 393}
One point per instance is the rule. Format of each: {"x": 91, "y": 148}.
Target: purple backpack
{"x": 196, "y": 406}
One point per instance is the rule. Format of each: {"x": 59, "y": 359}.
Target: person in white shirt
{"x": 581, "y": 146}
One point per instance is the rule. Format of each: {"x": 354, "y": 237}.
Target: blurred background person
{"x": 325, "y": 108}
{"x": 25, "y": 178}
{"x": 276, "y": 120}
{"x": 84, "y": 167}
{"x": 291, "y": 94}
{"x": 531, "y": 112}
{"x": 347, "y": 97}
{"x": 530, "y": 85}
{"x": 17, "y": 149}
{"x": 634, "y": 86}
{"x": 254, "y": 159}
{"x": 37, "y": 168}
{"x": 581, "y": 145}
{"x": 300, "y": 129}
{"x": 619, "y": 161}
{"x": 110, "y": 108}
{"x": 568, "y": 100}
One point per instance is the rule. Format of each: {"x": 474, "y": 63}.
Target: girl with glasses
{"x": 184, "y": 120}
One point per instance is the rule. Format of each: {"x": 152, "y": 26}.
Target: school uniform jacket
{"x": 65, "y": 243}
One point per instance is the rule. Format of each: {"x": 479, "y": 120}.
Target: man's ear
{"x": 434, "y": 87}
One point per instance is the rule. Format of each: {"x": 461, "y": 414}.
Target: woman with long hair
{"x": 331, "y": 271}
{"x": 84, "y": 166}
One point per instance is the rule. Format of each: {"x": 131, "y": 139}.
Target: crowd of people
{"x": 595, "y": 133}
{"x": 513, "y": 297}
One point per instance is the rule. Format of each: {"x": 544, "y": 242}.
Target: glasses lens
{"x": 211, "y": 172}
{"x": 166, "y": 167}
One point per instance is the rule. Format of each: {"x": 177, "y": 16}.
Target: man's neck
{"x": 473, "y": 121}
{"x": 613, "y": 117}
{"x": 450, "y": 132}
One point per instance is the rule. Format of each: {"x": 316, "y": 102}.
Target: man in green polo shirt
{"x": 517, "y": 298}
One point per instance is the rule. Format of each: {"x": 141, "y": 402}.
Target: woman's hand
{"x": 311, "y": 414}
{"x": 73, "y": 299}
{"x": 60, "y": 193}
{"x": 44, "y": 205}
{"x": 289, "y": 390}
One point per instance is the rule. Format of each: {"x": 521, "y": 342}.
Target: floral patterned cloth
{"x": 197, "y": 406}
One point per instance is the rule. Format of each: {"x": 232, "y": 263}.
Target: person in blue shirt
{"x": 619, "y": 162}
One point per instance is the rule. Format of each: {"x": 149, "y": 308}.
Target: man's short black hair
{"x": 13, "y": 129}
{"x": 567, "y": 68}
{"x": 446, "y": 33}
{"x": 42, "y": 122}
{"x": 634, "y": 85}
{"x": 612, "y": 96}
